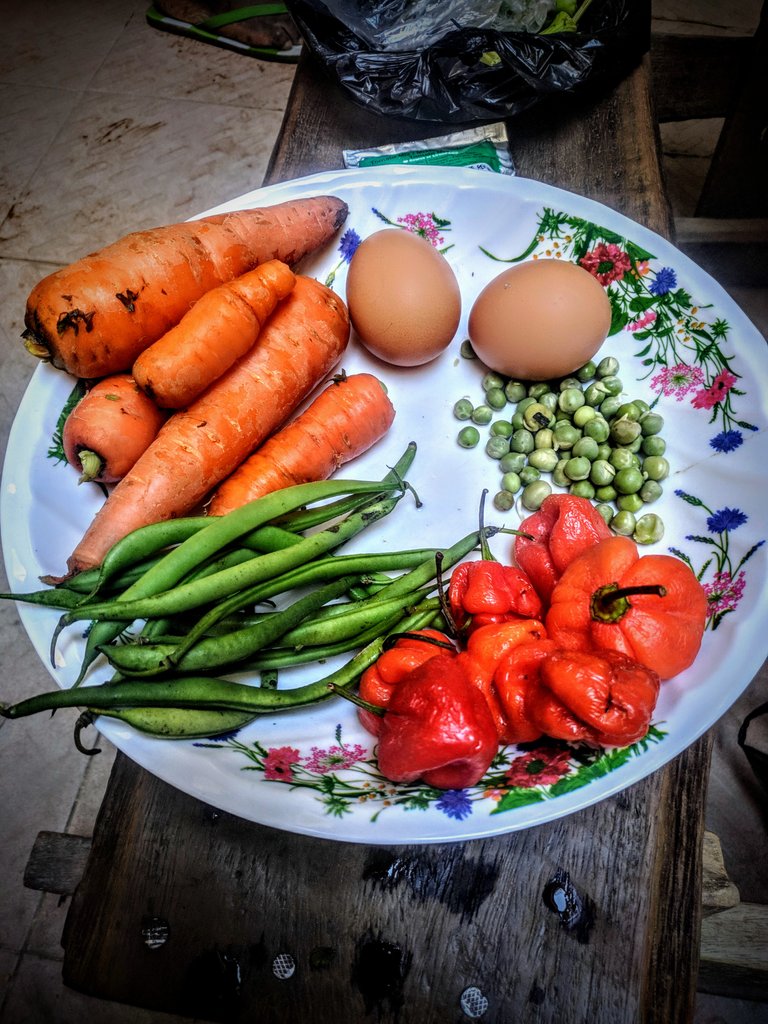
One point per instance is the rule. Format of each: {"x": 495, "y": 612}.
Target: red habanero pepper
{"x": 611, "y": 694}
{"x": 651, "y": 608}
{"x": 379, "y": 681}
{"x": 437, "y": 728}
{"x": 485, "y": 591}
{"x": 514, "y": 681}
{"x": 486, "y": 649}
{"x": 563, "y": 527}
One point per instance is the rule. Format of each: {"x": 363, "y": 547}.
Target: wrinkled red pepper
{"x": 514, "y": 681}
{"x": 651, "y": 608}
{"x": 378, "y": 682}
{"x": 602, "y": 698}
{"x": 485, "y": 592}
{"x": 437, "y": 728}
{"x": 487, "y": 648}
{"x": 562, "y": 528}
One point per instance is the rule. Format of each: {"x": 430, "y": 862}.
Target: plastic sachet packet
{"x": 483, "y": 148}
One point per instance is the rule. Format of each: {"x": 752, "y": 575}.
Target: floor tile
{"x": 711, "y": 17}
{"x": 187, "y": 156}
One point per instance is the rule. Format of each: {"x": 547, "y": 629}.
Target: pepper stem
{"x": 353, "y": 698}
{"x": 610, "y": 603}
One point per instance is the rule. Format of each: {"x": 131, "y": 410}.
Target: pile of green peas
{"x": 580, "y": 433}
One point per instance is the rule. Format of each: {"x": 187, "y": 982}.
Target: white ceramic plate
{"x": 686, "y": 346}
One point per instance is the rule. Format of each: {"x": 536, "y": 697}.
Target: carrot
{"x": 220, "y": 327}
{"x": 94, "y": 317}
{"x": 198, "y": 447}
{"x": 344, "y": 421}
{"x": 109, "y": 428}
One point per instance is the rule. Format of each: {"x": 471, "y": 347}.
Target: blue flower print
{"x": 727, "y": 441}
{"x": 664, "y": 282}
{"x": 455, "y": 803}
{"x": 725, "y": 520}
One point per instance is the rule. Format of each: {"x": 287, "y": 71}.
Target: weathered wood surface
{"x": 396, "y": 934}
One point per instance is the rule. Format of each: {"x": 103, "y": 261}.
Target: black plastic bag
{"x": 457, "y": 80}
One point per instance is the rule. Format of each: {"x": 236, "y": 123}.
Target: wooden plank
{"x": 696, "y": 76}
{"x": 734, "y": 953}
{"x": 57, "y": 862}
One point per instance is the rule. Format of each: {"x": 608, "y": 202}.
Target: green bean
{"x": 62, "y": 599}
{"x": 176, "y": 723}
{"x": 211, "y": 692}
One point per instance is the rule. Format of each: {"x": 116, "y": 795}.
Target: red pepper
{"x": 606, "y": 695}
{"x": 562, "y": 528}
{"x": 651, "y": 608}
{"x": 485, "y": 592}
{"x": 486, "y": 650}
{"x": 514, "y": 681}
{"x": 437, "y": 728}
{"x": 378, "y": 682}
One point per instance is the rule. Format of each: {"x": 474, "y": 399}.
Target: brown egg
{"x": 540, "y": 320}
{"x": 403, "y": 297}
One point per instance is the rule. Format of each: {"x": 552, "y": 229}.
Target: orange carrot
{"x": 198, "y": 447}
{"x": 220, "y": 327}
{"x": 109, "y": 428}
{"x": 344, "y": 421}
{"x": 95, "y": 316}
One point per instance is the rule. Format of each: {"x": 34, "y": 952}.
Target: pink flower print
{"x": 724, "y": 592}
{"x": 330, "y": 759}
{"x": 607, "y": 262}
{"x": 539, "y": 767}
{"x": 643, "y": 321}
{"x": 422, "y": 224}
{"x": 678, "y": 380}
{"x": 708, "y": 398}
{"x": 278, "y": 762}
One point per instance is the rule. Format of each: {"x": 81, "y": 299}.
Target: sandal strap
{"x": 241, "y": 14}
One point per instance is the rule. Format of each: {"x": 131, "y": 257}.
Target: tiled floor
{"x": 106, "y": 126}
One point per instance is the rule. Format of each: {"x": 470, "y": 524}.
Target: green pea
{"x": 623, "y": 458}
{"x": 535, "y": 391}
{"x": 584, "y": 415}
{"x": 570, "y": 382}
{"x": 534, "y": 494}
{"x": 518, "y": 421}
{"x": 549, "y": 401}
{"x": 558, "y": 474}
{"x": 586, "y": 372}
{"x": 609, "y": 406}
{"x": 586, "y": 446}
{"x": 513, "y": 462}
{"x": 496, "y": 398}
{"x": 502, "y": 427}
{"x": 636, "y": 445}
{"x": 624, "y": 523}
{"x": 496, "y": 446}
{"x": 544, "y": 459}
{"x": 624, "y": 430}
{"x": 515, "y": 390}
{"x": 613, "y": 385}
{"x": 511, "y": 482}
{"x": 653, "y": 445}
{"x": 630, "y": 411}
{"x": 578, "y": 468}
{"x": 602, "y": 473}
{"x": 537, "y": 416}
{"x": 629, "y": 502}
{"x": 492, "y": 381}
{"x": 604, "y": 451}
{"x": 466, "y": 351}
{"x": 521, "y": 441}
{"x": 571, "y": 399}
{"x": 597, "y": 427}
{"x": 529, "y": 474}
{"x": 642, "y": 406}
{"x": 544, "y": 438}
{"x": 595, "y": 394}
{"x": 607, "y": 367}
{"x": 566, "y": 435}
{"x": 656, "y": 467}
{"x": 606, "y": 493}
{"x": 523, "y": 404}
{"x": 650, "y": 529}
{"x": 606, "y": 511}
{"x": 469, "y": 437}
{"x": 504, "y": 501}
{"x": 651, "y": 491}
{"x": 482, "y": 415}
{"x": 652, "y": 423}
{"x": 462, "y": 410}
{"x": 628, "y": 481}
{"x": 582, "y": 489}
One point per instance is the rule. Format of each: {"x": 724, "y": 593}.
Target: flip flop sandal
{"x": 207, "y": 31}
